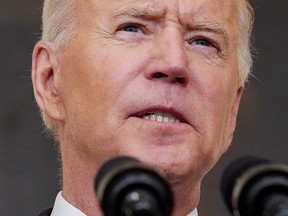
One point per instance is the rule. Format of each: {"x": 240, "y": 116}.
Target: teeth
{"x": 160, "y": 116}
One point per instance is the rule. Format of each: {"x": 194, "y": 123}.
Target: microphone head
{"x": 123, "y": 181}
{"x": 232, "y": 174}
{"x": 249, "y": 182}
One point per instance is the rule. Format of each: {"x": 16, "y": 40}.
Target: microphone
{"x": 253, "y": 186}
{"x": 126, "y": 187}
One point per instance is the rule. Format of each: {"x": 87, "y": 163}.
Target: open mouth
{"x": 160, "y": 116}
{"x": 163, "y": 115}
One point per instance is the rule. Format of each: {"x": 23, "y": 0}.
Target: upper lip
{"x": 173, "y": 111}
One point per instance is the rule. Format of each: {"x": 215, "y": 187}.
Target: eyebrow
{"x": 147, "y": 13}
{"x": 212, "y": 27}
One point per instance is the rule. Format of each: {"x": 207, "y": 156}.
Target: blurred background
{"x": 28, "y": 159}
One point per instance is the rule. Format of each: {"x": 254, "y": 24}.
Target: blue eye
{"x": 203, "y": 42}
{"x": 131, "y": 28}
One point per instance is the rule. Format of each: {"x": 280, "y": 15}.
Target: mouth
{"x": 162, "y": 116}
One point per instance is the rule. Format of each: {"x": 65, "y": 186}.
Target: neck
{"x": 78, "y": 182}
{"x": 78, "y": 185}
{"x": 187, "y": 197}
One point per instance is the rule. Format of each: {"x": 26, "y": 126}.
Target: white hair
{"x": 59, "y": 22}
{"x": 245, "y": 24}
{"x": 59, "y": 25}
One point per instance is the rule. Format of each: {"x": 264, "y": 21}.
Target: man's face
{"x": 157, "y": 80}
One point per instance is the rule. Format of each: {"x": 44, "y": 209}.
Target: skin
{"x": 133, "y": 57}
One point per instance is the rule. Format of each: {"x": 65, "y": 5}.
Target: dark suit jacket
{"x": 46, "y": 212}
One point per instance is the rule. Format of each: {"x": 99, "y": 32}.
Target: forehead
{"x": 224, "y": 10}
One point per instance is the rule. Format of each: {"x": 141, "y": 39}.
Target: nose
{"x": 169, "y": 59}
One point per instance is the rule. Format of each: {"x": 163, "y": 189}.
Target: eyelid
{"x": 136, "y": 24}
{"x": 214, "y": 44}
{"x": 212, "y": 39}
{"x": 217, "y": 36}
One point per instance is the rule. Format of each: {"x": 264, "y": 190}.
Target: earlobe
{"x": 44, "y": 77}
{"x": 235, "y": 108}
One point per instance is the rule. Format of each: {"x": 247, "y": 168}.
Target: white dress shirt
{"x": 64, "y": 208}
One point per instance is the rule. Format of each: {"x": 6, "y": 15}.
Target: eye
{"x": 131, "y": 32}
{"x": 203, "y": 42}
{"x": 131, "y": 28}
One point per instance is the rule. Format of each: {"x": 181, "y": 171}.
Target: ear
{"x": 233, "y": 116}
{"x": 45, "y": 72}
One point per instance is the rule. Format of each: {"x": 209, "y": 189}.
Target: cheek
{"x": 214, "y": 94}
{"x": 91, "y": 85}
{"x": 82, "y": 87}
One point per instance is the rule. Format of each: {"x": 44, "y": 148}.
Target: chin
{"x": 172, "y": 168}
{"x": 174, "y": 174}
{"x": 174, "y": 158}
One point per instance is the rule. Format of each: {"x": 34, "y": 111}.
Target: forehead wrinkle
{"x": 138, "y": 12}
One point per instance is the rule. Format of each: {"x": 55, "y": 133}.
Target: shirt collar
{"x": 62, "y": 207}
{"x": 193, "y": 213}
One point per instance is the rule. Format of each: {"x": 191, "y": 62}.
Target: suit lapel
{"x": 47, "y": 212}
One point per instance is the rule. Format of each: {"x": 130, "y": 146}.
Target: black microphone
{"x": 126, "y": 187}
{"x": 253, "y": 186}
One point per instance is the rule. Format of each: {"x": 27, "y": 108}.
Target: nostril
{"x": 159, "y": 75}
{"x": 180, "y": 80}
